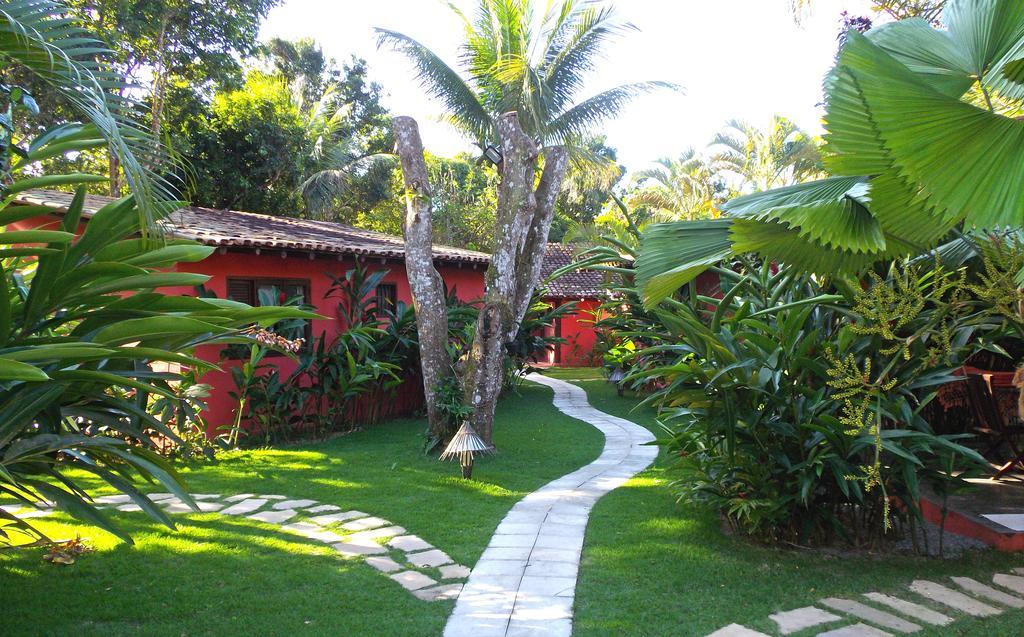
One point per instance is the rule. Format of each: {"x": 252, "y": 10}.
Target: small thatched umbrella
{"x": 464, "y": 444}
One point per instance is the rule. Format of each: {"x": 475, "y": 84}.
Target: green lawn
{"x": 651, "y": 567}
{"x": 222, "y": 575}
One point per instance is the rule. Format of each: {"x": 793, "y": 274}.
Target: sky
{"x": 735, "y": 59}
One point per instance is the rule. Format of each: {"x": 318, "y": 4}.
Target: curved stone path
{"x": 524, "y": 583}
{"x": 416, "y": 565}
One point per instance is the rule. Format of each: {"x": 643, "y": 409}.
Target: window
{"x": 387, "y": 297}
{"x": 265, "y": 292}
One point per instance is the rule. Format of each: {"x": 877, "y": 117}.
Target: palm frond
{"x": 443, "y": 83}
{"x": 39, "y": 36}
{"x": 582, "y": 117}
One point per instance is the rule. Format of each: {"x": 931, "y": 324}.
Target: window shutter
{"x": 241, "y": 290}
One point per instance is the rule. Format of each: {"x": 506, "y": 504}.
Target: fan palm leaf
{"x": 902, "y": 122}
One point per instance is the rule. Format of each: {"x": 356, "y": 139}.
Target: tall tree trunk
{"x": 427, "y": 288}
{"x": 523, "y": 220}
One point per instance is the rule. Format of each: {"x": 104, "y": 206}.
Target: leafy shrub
{"x": 797, "y": 413}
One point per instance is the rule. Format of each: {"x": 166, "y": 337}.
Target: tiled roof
{"x": 582, "y": 284}
{"x": 231, "y": 228}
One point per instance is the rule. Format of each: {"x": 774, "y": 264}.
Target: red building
{"x": 586, "y": 288}
{"x": 266, "y": 257}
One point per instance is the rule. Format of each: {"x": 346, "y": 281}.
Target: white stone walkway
{"x": 524, "y": 583}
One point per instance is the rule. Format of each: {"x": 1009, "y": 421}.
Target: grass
{"x": 652, "y": 567}
{"x": 221, "y": 575}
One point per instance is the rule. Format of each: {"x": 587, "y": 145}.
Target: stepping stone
{"x": 910, "y": 609}
{"x": 323, "y": 508}
{"x": 384, "y": 564}
{"x": 134, "y": 507}
{"x": 454, "y": 571}
{"x": 332, "y": 518}
{"x": 735, "y": 630}
{"x": 36, "y": 513}
{"x": 409, "y": 543}
{"x": 313, "y": 532}
{"x": 548, "y": 586}
{"x": 375, "y": 534}
{"x": 181, "y": 507}
{"x": 273, "y": 497}
{"x": 204, "y": 496}
{"x": 1016, "y": 571}
{"x": 413, "y": 580}
{"x": 857, "y": 630}
{"x": 429, "y": 559}
{"x": 365, "y": 524}
{"x": 442, "y": 591}
{"x": 953, "y": 599}
{"x": 273, "y": 517}
{"x": 976, "y": 588}
{"x": 351, "y": 549}
{"x": 113, "y": 499}
{"x": 294, "y": 504}
{"x": 243, "y": 507}
{"x": 1012, "y": 582}
{"x": 873, "y": 615}
{"x": 791, "y": 621}
{"x": 240, "y": 496}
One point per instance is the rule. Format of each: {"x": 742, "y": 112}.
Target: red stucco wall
{"x": 578, "y": 331}
{"x": 468, "y": 282}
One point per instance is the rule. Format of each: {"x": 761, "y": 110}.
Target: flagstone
{"x": 244, "y": 506}
{"x": 413, "y": 580}
{"x": 333, "y": 518}
{"x": 910, "y": 609}
{"x": 352, "y": 549}
{"x": 984, "y": 591}
{"x": 1012, "y": 582}
{"x": 429, "y": 559}
{"x": 409, "y": 543}
{"x": 735, "y": 630}
{"x": 791, "y": 621}
{"x": 294, "y": 504}
{"x": 384, "y": 564}
{"x": 376, "y": 534}
{"x": 949, "y": 597}
{"x": 454, "y": 571}
{"x": 273, "y": 517}
{"x": 323, "y": 508}
{"x": 240, "y": 496}
{"x": 441, "y": 591}
{"x": 365, "y": 524}
{"x": 856, "y": 630}
{"x": 869, "y": 614}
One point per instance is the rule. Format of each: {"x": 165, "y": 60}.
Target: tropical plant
{"x": 516, "y": 62}
{"x": 43, "y": 44}
{"x": 531, "y": 341}
{"x": 915, "y": 146}
{"x": 779, "y": 155}
{"x": 796, "y": 412}
{"x": 80, "y": 326}
{"x": 688, "y": 187}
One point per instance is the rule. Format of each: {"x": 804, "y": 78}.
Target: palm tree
{"x": 761, "y": 159}
{"x": 514, "y": 63}
{"x": 688, "y": 187}
{"x": 39, "y": 37}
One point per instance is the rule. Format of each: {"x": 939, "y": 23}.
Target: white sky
{"x": 744, "y": 59}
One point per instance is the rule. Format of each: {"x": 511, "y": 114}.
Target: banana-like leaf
{"x": 672, "y": 254}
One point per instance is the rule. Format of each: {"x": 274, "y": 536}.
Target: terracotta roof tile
{"x": 232, "y": 228}
{"x": 585, "y": 284}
